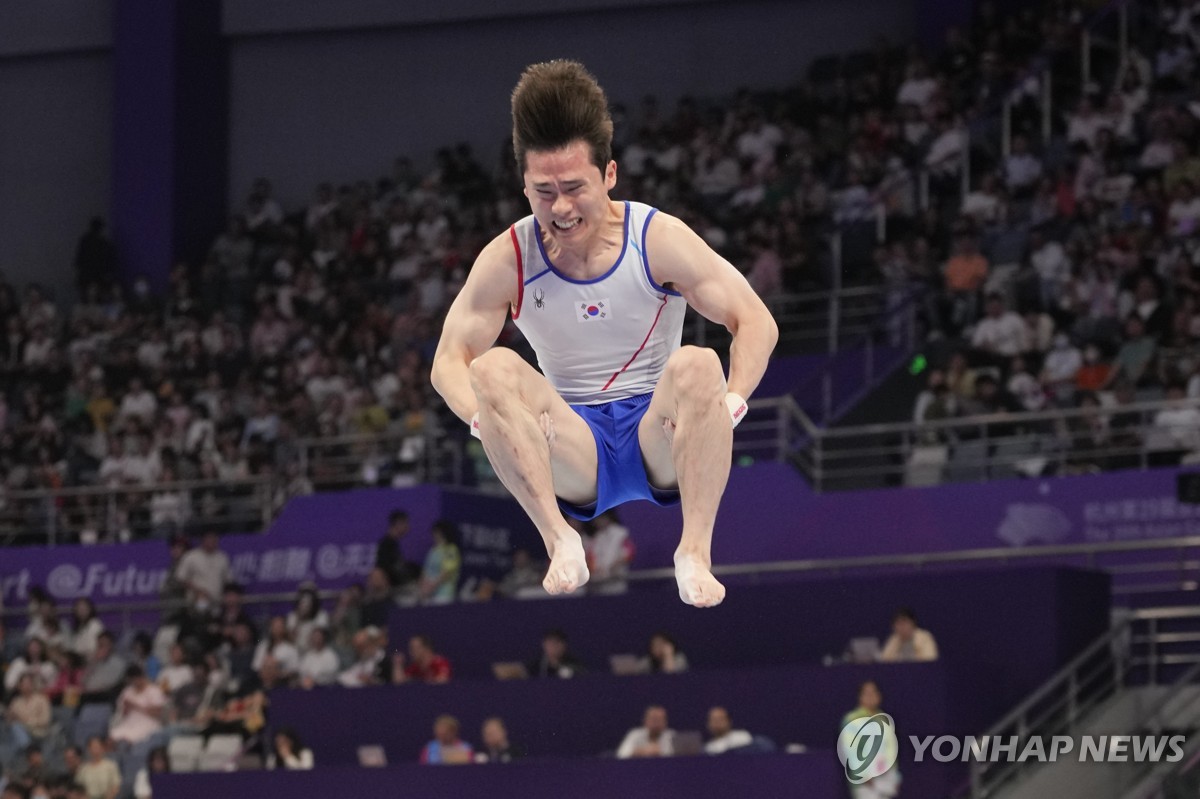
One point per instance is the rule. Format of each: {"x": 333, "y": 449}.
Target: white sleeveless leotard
{"x": 603, "y": 339}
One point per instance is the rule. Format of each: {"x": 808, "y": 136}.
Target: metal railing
{"x": 992, "y": 446}
{"x": 390, "y": 458}
{"x": 1135, "y": 653}
{"x": 101, "y": 513}
{"x": 812, "y": 321}
{"x": 1176, "y": 566}
{"x": 123, "y": 618}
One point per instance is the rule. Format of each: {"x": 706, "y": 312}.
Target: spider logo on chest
{"x": 539, "y": 298}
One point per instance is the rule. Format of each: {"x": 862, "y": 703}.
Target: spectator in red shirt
{"x": 424, "y": 664}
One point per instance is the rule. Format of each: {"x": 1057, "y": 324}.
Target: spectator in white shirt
{"x": 278, "y": 646}
{"x": 918, "y": 88}
{"x": 1053, "y": 267}
{"x": 138, "y": 403}
{"x": 716, "y": 175}
{"x": 1086, "y": 123}
{"x": 289, "y": 753}
{"x": 1176, "y": 428}
{"x": 985, "y": 205}
{"x": 143, "y": 466}
{"x": 1024, "y": 386}
{"x": 369, "y": 645}
{"x": 268, "y": 335}
{"x": 653, "y": 739}
{"x": 1061, "y": 365}
{"x": 205, "y": 571}
{"x": 1184, "y": 211}
{"x": 85, "y": 628}
{"x": 750, "y": 193}
{"x": 306, "y": 616}
{"x": 759, "y": 142}
{"x": 264, "y": 424}
{"x": 944, "y": 157}
{"x": 37, "y": 349}
{"x": 723, "y": 736}
{"x": 324, "y": 384}
{"x": 1159, "y": 151}
{"x": 908, "y": 641}
{"x": 1022, "y": 169}
{"x": 177, "y": 673}
{"x": 112, "y": 467}
{"x": 319, "y": 664}
{"x": 637, "y": 154}
{"x": 609, "y": 550}
{"x": 152, "y": 353}
{"x": 1001, "y": 332}
{"x": 139, "y": 707}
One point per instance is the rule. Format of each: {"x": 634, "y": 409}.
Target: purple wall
{"x": 170, "y": 133}
{"x": 144, "y": 64}
{"x": 797, "y": 524}
{"x": 815, "y": 775}
{"x": 1054, "y": 612}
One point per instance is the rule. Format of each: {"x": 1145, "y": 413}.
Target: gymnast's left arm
{"x": 679, "y": 259}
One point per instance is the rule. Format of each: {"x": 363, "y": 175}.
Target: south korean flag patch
{"x": 593, "y": 311}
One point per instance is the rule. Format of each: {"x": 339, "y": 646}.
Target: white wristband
{"x": 475, "y": 426}
{"x": 737, "y": 408}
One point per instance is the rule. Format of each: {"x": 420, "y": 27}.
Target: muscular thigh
{"x": 573, "y": 457}
{"x": 656, "y": 446}
{"x": 657, "y": 454}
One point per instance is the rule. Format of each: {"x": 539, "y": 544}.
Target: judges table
{"x": 811, "y": 776}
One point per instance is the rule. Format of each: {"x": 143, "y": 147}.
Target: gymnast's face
{"x": 568, "y": 194}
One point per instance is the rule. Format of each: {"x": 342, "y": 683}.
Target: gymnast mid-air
{"x": 620, "y": 411}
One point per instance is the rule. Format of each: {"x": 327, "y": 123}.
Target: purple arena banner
{"x": 768, "y": 513}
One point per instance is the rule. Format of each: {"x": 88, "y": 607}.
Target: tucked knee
{"x": 696, "y": 373}
{"x": 494, "y": 375}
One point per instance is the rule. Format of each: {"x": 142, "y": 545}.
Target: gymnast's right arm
{"x": 473, "y": 324}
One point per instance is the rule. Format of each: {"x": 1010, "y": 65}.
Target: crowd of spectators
{"x": 1072, "y": 279}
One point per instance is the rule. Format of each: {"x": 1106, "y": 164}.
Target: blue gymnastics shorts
{"x": 620, "y": 472}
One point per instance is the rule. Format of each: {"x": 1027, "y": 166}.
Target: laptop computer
{"x": 372, "y": 756}
{"x": 624, "y": 665}
{"x": 510, "y": 670}
{"x": 688, "y": 742}
{"x": 864, "y": 650}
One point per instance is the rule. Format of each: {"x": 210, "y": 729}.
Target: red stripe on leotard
{"x": 512, "y": 230}
{"x": 617, "y": 373}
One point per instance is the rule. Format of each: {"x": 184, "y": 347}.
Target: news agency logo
{"x": 868, "y": 747}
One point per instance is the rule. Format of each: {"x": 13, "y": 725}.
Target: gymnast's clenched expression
{"x": 569, "y": 194}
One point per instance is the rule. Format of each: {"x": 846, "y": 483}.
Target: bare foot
{"x": 697, "y": 586}
{"x": 568, "y": 566}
